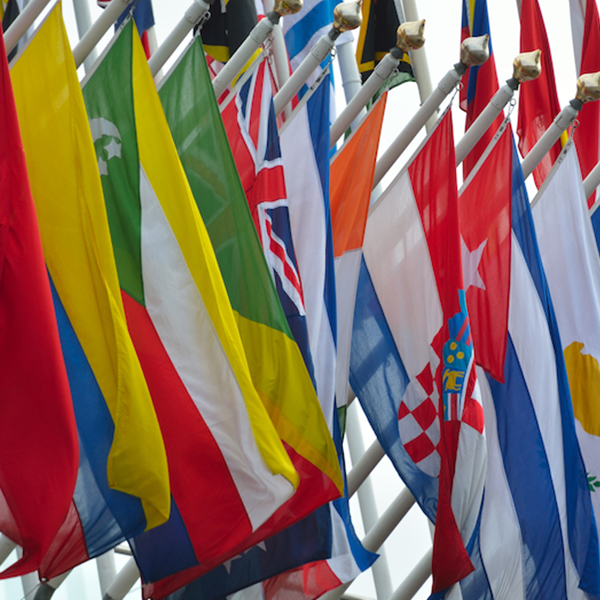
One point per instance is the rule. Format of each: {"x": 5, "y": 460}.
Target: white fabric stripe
{"x": 573, "y": 273}
{"x": 188, "y": 335}
{"x": 307, "y": 218}
{"x": 342, "y": 561}
{"x": 413, "y": 312}
{"x": 538, "y": 363}
{"x": 347, "y": 269}
{"x": 500, "y": 533}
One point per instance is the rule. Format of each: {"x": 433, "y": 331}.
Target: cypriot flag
{"x": 572, "y": 265}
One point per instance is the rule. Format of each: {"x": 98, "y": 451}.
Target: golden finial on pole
{"x": 411, "y": 35}
{"x": 474, "y": 51}
{"x": 588, "y": 87}
{"x": 347, "y": 16}
{"x": 287, "y": 7}
{"x": 527, "y": 66}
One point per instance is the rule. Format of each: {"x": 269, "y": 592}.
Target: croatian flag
{"x": 249, "y": 119}
{"x": 412, "y": 363}
{"x": 537, "y": 534}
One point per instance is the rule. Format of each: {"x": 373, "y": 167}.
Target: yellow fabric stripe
{"x": 159, "y": 159}
{"x": 471, "y": 6}
{"x": 300, "y": 420}
{"x": 75, "y": 235}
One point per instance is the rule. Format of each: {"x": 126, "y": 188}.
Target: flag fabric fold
{"x": 549, "y": 545}
{"x": 39, "y": 453}
{"x": 417, "y": 384}
{"x": 122, "y": 484}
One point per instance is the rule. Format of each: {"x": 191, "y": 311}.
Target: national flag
{"x": 538, "y": 101}
{"x": 412, "y": 363}
{"x": 378, "y": 33}
{"x": 351, "y": 183}
{"x": 230, "y": 23}
{"x": 572, "y": 265}
{"x": 143, "y": 15}
{"x": 276, "y": 363}
{"x": 587, "y": 59}
{"x": 122, "y": 485}
{"x": 537, "y": 530}
{"x": 38, "y": 455}
{"x": 481, "y": 82}
{"x": 218, "y": 435}
{"x": 249, "y": 119}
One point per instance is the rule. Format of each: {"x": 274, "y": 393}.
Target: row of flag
{"x": 205, "y": 291}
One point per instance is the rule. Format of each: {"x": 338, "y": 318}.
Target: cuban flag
{"x": 536, "y": 537}
{"x": 412, "y": 361}
{"x": 249, "y": 119}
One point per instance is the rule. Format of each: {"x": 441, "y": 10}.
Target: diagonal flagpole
{"x": 588, "y": 90}
{"x": 527, "y": 67}
{"x": 252, "y": 43}
{"x": 474, "y": 51}
{"x": 410, "y": 36}
{"x": 22, "y": 23}
{"x": 346, "y": 16}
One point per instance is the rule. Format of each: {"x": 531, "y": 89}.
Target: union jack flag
{"x": 249, "y": 119}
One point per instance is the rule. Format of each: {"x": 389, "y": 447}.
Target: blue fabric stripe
{"x": 583, "y": 535}
{"x": 528, "y": 474}
{"x": 379, "y": 379}
{"x": 481, "y": 26}
{"x": 318, "y": 118}
{"x": 107, "y": 516}
{"x": 142, "y": 15}
{"x": 301, "y": 33}
{"x": 172, "y": 535}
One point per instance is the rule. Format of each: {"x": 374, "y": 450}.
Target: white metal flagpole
{"x": 346, "y": 16}
{"x": 474, "y": 51}
{"x": 22, "y": 23}
{"x": 588, "y": 90}
{"x": 410, "y": 36}
{"x": 526, "y": 67}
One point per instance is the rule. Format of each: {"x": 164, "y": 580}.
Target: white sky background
{"x": 412, "y": 538}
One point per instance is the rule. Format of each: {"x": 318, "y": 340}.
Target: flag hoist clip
{"x": 588, "y": 90}
{"x": 526, "y": 67}
{"x": 410, "y": 36}
{"x": 346, "y": 16}
{"x": 474, "y": 52}
{"x": 252, "y": 43}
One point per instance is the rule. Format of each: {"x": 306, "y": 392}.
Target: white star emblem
{"x": 227, "y": 563}
{"x": 470, "y": 261}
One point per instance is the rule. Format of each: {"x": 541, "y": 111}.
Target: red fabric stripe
{"x": 303, "y": 502}
{"x": 278, "y": 250}
{"x": 201, "y": 484}
{"x": 39, "y": 448}
{"x": 256, "y": 106}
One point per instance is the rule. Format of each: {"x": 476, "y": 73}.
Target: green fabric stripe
{"x": 109, "y": 95}
{"x": 193, "y": 116}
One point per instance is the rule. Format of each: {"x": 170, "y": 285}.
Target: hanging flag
{"x": 479, "y": 83}
{"x": 38, "y": 456}
{"x": 417, "y": 384}
{"x": 122, "y": 485}
{"x": 229, "y": 25}
{"x": 537, "y": 529}
{"x": 276, "y": 364}
{"x": 249, "y": 119}
{"x": 377, "y": 35}
{"x": 587, "y": 59}
{"x": 217, "y": 433}
{"x": 351, "y": 183}
{"x": 538, "y": 101}
{"x": 143, "y": 15}
{"x": 573, "y": 271}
